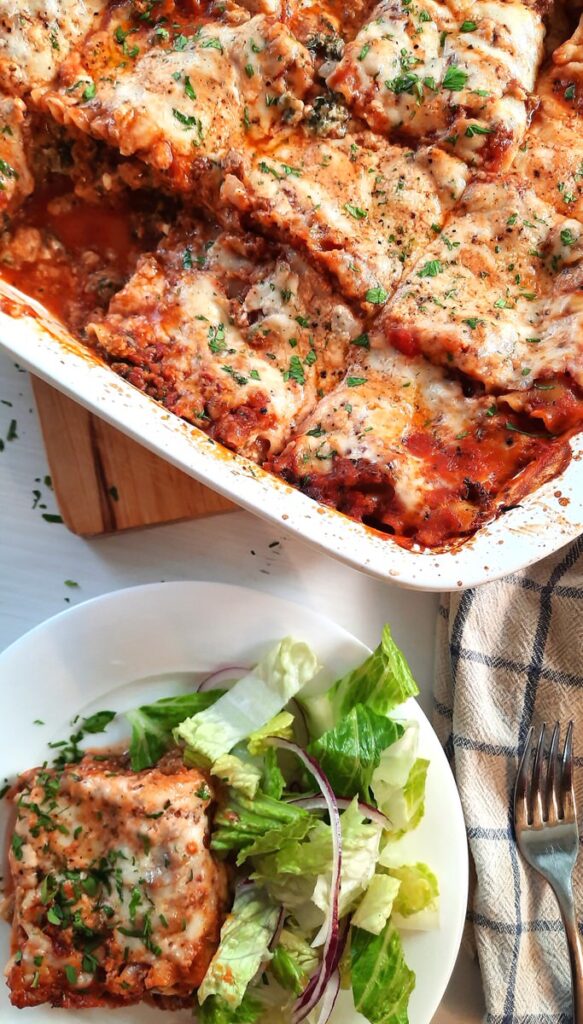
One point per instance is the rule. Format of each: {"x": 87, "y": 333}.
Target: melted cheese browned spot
{"x": 399, "y": 447}
{"x": 457, "y": 72}
{"x": 116, "y": 895}
{"x": 182, "y": 95}
{"x": 499, "y": 292}
{"x": 235, "y": 336}
{"x": 36, "y": 35}
{"x": 361, "y": 207}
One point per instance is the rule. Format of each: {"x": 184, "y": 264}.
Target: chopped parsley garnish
{"x": 187, "y": 121}
{"x": 212, "y": 44}
{"x": 472, "y": 322}
{"x": 187, "y": 258}
{"x": 295, "y": 371}
{"x": 354, "y": 382}
{"x": 237, "y": 377}
{"x": 364, "y": 51}
{"x": 431, "y": 268}
{"x": 355, "y": 211}
{"x": 188, "y": 88}
{"x": 468, "y": 26}
{"x": 315, "y": 432}
{"x": 455, "y": 78}
{"x": 362, "y": 341}
{"x": 477, "y": 129}
{"x": 567, "y": 237}
{"x": 216, "y": 337}
{"x": 249, "y": 70}
{"x": 378, "y": 296}
{"x": 570, "y": 92}
{"x": 17, "y": 844}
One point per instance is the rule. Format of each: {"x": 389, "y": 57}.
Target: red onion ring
{"x": 213, "y": 681}
{"x": 317, "y": 803}
{"x": 332, "y": 949}
{"x": 329, "y": 998}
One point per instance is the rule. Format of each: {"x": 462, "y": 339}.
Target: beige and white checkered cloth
{"x": 510, "y": 654}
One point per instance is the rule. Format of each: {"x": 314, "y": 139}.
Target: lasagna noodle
{"x": 361, "y": 207}
{"x": 116, "y": 895}
{"x": 456, "y": 72}
{"x": 399, "y": 447}
{"x": 498, "y": 293}
{"x": 182, "y": 96}
{"x": 233, "y": 335}
{"x": 36, "y": 35}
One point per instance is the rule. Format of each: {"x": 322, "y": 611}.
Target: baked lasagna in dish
{"x": 347, "y": 245}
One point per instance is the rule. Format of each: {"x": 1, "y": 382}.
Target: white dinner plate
{"x": 136, "y": 645}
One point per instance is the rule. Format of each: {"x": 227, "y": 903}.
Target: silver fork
{"x": 545, "y": 823}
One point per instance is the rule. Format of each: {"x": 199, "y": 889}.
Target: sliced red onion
{"x": 317, "y": 803}
{"x": 221, "y": 675}
{"x": 329, "y": 998}
{"x": 332, "y": 949}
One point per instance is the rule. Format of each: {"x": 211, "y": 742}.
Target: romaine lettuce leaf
{"x": 279, "y": 725}
{"x": 294, "y": 961}
{"x": 250, "y": 703}
{"x": 382, "y": 682}
{"x": 375, "y": 907}
{"x": 418, "y": 888}
{"x": 404, "y": 806}
{"x": 239, "y": 774}
{"x": 349, "y": 753}
{"x": 152, "y": 724}
{"x": 273, "y": 783}
{"x": 215, "y": 1011}
{"x": 258, "y": 826}
{"x": 244, "y": 945}
{"x": 381, "y": 981}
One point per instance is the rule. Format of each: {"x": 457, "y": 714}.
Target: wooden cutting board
{"x": 104, "y": 481}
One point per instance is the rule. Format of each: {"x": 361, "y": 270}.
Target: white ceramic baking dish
{"x": 543, "y": 522}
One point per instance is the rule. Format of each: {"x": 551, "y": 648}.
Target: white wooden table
{"x": 37, "y": 557}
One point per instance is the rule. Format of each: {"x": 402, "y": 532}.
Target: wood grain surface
{"x": 104, "y": 481}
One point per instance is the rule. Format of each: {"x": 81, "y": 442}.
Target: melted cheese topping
{"x": 36, "y": 35}
{"x": 361, "y": 207}
{"x": 399, "y": 446}
{"x": 230, "y": 335}
{"x": 176, "y": 97}
{"x": 16, "y": 180}
{"x": 116, "y": 894}
{"x": 498, "y": 292}
{"x": 456, "y": 71}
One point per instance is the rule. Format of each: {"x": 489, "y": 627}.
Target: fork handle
{"x": 566, "y": 901}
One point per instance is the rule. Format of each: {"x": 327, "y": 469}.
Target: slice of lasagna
{"x": 398, "y": 446}
{"x": 498, "y": 295}
{"x": 116, "y": 895}
{"x": 455, "y": 72}
{"x": 181, "y": 93}
{"x": 361, "y": 207}
{"x": 552, "y": 154}
{"x": 35, "y": 36}
{"x": 234, "y": 335}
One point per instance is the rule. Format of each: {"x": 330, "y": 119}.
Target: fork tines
{"x": 545, "y": 797}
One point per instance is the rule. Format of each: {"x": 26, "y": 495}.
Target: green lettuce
{"x": 375, "y": 907}
{"x": 153, "y": 724}
{"x": 418, "y": 888}
{"x": 244, "y": 945}
{"x": 250, "y": 703}
{"x": 279, "y": 725}
{"x": 381, "y": 981}
{"x": 273, "y": 782}
{"x": 405, "y": 807}
{"x": 215, "y": 1011}
{"x": 349, "y": 753}
{"x": 238, "y": 773}
{"x": 294, "y": 961}
{"x": 258, "y": 826}
{"x": 381, "y": 683}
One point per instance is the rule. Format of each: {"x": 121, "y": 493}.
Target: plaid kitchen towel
{"x": 510, "y": 654}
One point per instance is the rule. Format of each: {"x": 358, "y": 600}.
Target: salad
{"x": 317, "y": 793}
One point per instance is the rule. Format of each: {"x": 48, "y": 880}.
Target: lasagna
{"x": 345, "y": 244}
{"x": 116, "y": 897}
